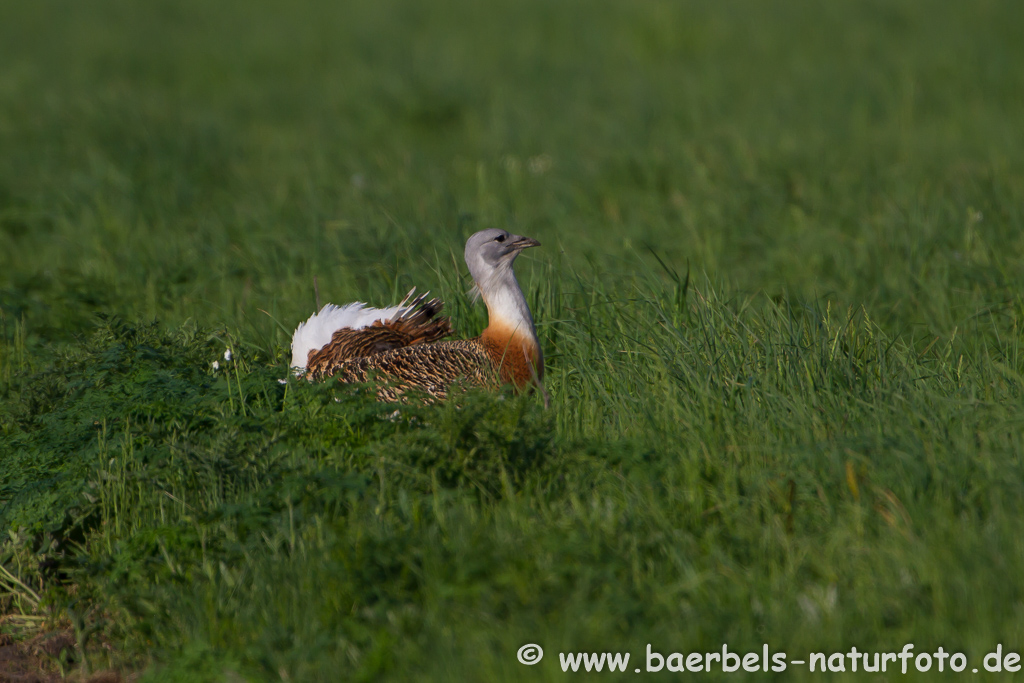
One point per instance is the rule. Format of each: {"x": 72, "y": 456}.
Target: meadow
{"x": 780, "y": 294}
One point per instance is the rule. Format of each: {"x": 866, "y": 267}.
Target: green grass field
{"x": 780, "y": 295}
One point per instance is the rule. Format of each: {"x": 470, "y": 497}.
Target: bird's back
{"x": 430, "y": 368}
{"x": 416, "y": 324}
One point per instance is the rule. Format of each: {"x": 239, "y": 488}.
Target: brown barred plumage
{"x": 430, "y": 369}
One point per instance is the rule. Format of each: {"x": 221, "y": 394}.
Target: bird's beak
{"x": 520, "y": 243}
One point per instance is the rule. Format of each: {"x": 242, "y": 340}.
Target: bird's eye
{"x": 499, "y": 238}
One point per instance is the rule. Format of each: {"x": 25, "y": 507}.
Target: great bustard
{"x": 400, "y": 345}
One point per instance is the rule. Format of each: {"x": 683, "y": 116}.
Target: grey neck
{"x": 506, "y": 305}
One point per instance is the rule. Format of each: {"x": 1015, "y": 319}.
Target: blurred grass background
{"x": 188, "y": 160}
{"x": 779, "y": 294}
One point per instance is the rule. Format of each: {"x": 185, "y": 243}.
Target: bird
{"x": 404, "y": 345}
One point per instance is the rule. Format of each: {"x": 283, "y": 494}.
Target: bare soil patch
{"x": 37, "y": 660}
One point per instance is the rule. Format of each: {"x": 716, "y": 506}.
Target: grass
{"x": 779, "y": 297}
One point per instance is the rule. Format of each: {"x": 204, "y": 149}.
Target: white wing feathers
{"x": 316, "y": 333}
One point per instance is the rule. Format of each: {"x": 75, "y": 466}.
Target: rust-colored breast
{"x": 517, "y": 356}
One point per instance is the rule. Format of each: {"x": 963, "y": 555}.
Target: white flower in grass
{"x": 227, "y": 355}
{"x": 216, "y": 365}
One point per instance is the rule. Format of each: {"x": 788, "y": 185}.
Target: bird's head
{"x": 492, "y": 251}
